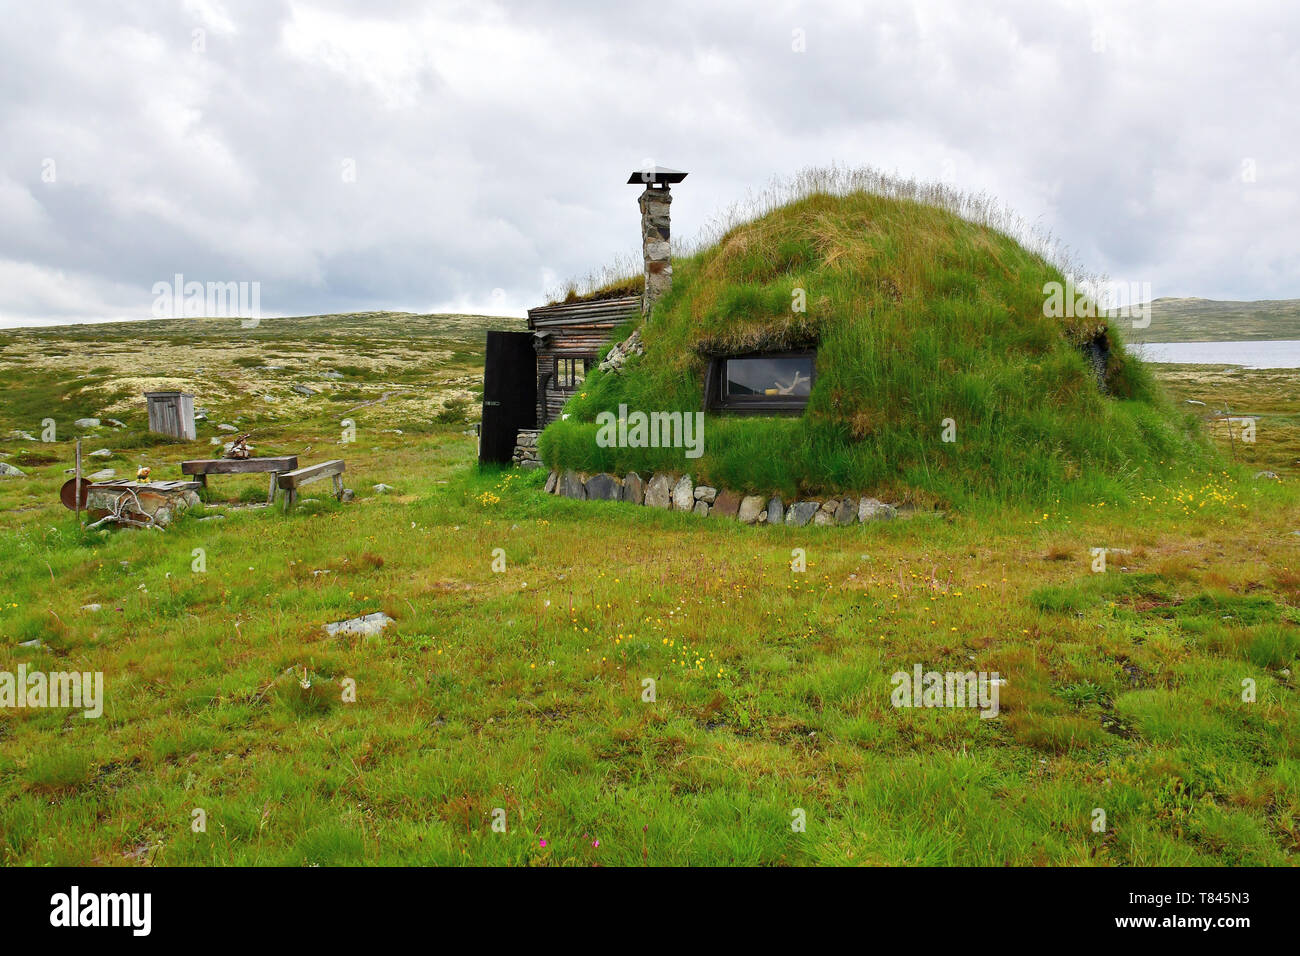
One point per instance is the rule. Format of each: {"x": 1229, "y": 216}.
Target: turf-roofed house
{"x": 859, "y": 347}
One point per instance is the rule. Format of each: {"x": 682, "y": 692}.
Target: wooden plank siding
{"x": 576, "y": 330}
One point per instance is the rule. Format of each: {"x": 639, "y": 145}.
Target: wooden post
{"x": 270, "y": 495}
{"x": 77, "y": 486}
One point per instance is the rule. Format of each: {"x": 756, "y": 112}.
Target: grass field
{"x": 522, "y": 690}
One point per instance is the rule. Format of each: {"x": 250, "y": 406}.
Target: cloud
{"x": 401, "y": 155}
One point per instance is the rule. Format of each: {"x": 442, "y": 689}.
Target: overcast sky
{"x": 433, "y": 156}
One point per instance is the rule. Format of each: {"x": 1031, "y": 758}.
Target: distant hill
{"x": 1208, "y": 320}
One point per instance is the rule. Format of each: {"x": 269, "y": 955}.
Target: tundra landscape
{"x": 520, "y": 689}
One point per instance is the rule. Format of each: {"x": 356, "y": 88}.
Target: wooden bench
{"x": 291, "y": 481}
{"x": 202, "y": 467}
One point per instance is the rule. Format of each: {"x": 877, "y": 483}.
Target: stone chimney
{"x": 655, "y": 242}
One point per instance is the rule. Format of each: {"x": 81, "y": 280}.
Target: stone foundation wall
{"x": 680, "y": 493}
{"x": 525, "y": 454}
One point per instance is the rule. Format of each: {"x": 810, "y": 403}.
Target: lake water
{"x": 1273, "y": 354}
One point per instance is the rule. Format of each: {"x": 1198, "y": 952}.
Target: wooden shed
{"x": 171, "y": 413}
{"x": 567, "y": 337}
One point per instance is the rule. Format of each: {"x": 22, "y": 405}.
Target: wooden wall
{"x": 577, "y": 330}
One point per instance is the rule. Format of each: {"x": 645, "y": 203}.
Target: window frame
{"x": 715, "y": 386}
{"x": 566, "y": 372}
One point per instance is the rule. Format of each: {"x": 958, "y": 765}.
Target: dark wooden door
{"x": 509, "y": 394}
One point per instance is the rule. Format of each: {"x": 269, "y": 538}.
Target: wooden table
{"x": 202, "y": 467}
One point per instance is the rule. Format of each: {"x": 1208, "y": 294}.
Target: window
{"x": 765, "y": 382}
{"x": 570, "y": 372}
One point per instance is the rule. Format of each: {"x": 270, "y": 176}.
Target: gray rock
{"x": 9, "y": 471}
{"x": 775, "y": 511}
{"x": 701, "y": 508}
{"x": 303, "y": 389}
{"x": 824, "y": 517}
{"x": 20, "y": 435}
{"x": 530, "y": 464}
{"x": 706, "y": 494}
{"x": 801, "y": 512}
{"x": 658, "y": 493}
{"x": 634, "y": 489}
{"x": 603, "y": 487}
{"x": 92, "y": 607}
{"x": 101, "y": 453}
{"x": 684, "y": 494}
{"x": 571, "y": 485}
{"x": 552, "y": 480}
{"x": 36, "y": 644}
{"x": 331, "y": 374}
{"x": 364, "y": 626}
{"x": 86, "y": 423}
{"x": 381, "y": 488}
{"x": 348, "y": 495}
{"x": 227, "y": 428}
{"x": 198, "y": 416}
{"x": 846, "y": 512}
{"x": 103, "y": 474}
{"x": 1271, "y": 475}
{"x": 873, "y": 509}
{"x": 214, "y": 441}
{"x": 752, "y": 510}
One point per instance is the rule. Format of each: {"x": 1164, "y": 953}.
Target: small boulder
{"x": 9, "y": 471}
{"x": 658, "y": 493}
{"x": 101, "y": 453}
{"x": 1269, "y": 475}
{"x": 571, "y": 485}
{"x": 701, "y": 508}
{"x": 86, "y": 423}
{"x": 227, "y": 428}
{"x": 706, "y": 494}
{"x": 116, "y": 424}
{"x": 727, "y": 505}
{"x": 381, "y": 488}
{"x": 873, "y": 509}
{"x": 846, "y": 512}
{"x": 775, "y": 511}
{"x": 551, "y": 481}
{"x": 752, "y": 510}
{"x": 303, "y": 389}
{"x": 20, "y": 435}
{"x": 634, "y": 489}
{"x": 603, "y": 487}
{"x": 684, "y": 494}
{"x": 801, "y": 512}
{"x": 365, "y": 626}
{"x": 103, "y": 475}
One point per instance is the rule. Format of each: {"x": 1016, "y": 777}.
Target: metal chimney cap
{"x": 655, "y": 174}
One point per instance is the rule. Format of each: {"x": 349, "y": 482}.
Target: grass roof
{"x": 920, "y": 315}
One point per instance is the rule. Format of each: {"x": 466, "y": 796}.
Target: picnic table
{"x": 202, "y": 467}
